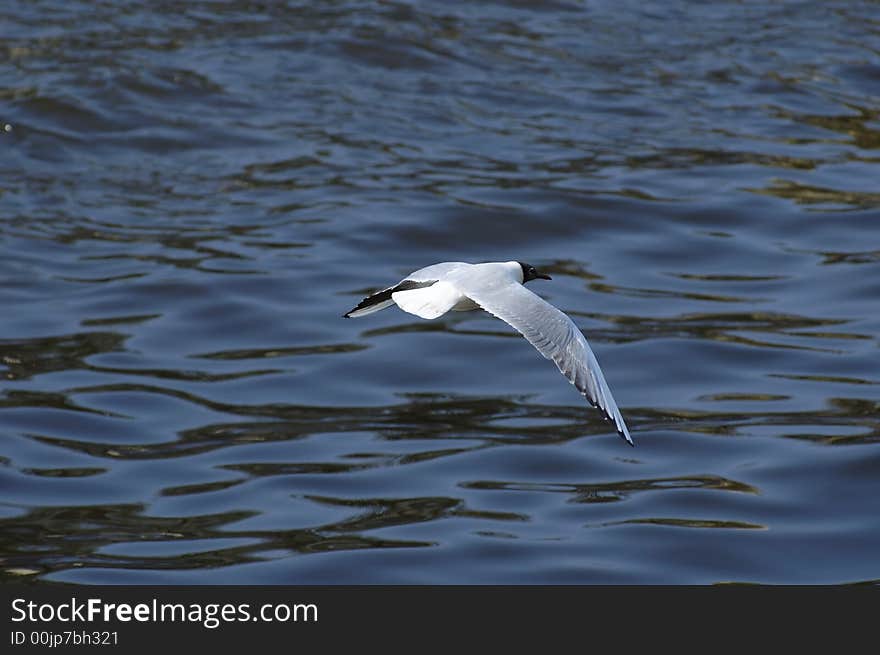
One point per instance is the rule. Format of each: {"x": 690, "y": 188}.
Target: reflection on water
{"x": 829, "y": 198}
{"x": 29, "y": 357}
{"x": 420, "y": 431}
{"x": 190, "y": 201}
{"x": 695, "y": 523}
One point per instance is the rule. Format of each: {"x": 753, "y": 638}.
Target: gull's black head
{"x": 531, "y": 273}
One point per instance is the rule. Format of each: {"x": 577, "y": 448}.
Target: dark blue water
{"x": 192, "y": 193}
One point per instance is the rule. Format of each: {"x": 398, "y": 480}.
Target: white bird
{"x": 497, "y": 287}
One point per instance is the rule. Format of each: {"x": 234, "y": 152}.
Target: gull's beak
{"x": 543, "y": 276}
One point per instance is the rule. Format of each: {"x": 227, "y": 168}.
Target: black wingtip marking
{"x": 608, "y": 418}
{"x": 621, "y": 433}
{"x": 382, "y": 296}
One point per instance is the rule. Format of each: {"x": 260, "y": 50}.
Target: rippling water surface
{"x": 192, "y": 193}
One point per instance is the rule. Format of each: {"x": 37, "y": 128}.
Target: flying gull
{"x": 497, "y": 287}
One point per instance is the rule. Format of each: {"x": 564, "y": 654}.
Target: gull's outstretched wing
{"x": 555, "y": 336}
{"x": 428, "y": 302}
{"x": 420, "y": 279}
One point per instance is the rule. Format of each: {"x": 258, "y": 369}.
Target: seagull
{"x": 497, "y": 287}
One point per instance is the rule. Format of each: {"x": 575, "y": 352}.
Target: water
{"x": 191, "y": 194}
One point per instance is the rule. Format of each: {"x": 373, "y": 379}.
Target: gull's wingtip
{"x": 622, "y": 432}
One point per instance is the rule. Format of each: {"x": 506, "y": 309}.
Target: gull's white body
{"x": 497, "y": 287}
